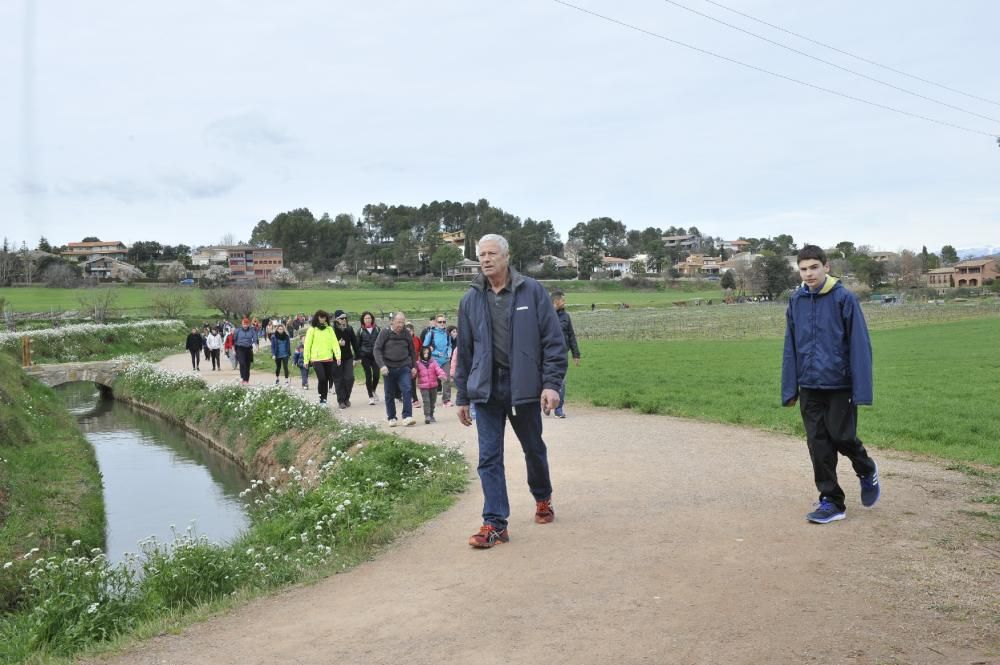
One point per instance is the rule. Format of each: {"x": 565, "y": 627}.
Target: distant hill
{"x": 975, "y": 252}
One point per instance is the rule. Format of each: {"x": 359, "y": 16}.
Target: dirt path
{"x": 675, "y": 542}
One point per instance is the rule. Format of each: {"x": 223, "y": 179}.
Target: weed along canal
{"x": 155, "y": 475}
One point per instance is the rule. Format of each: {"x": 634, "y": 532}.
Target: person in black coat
{"x": 343, "y": 374}
{"x": 194, "y": 344}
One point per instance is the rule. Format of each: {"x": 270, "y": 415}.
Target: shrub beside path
{"x": 674, "y": 542}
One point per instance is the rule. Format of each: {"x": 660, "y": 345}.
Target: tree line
{"x": 411, "y": 240}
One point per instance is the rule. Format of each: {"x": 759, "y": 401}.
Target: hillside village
{"x": 599, "y": 249}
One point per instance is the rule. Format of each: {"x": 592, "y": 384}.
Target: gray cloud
{"x": 246, "y": 131}
{"x": 203, "y": 186}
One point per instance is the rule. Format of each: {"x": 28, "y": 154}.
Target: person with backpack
{"x": 297, "y": 360}
{"x": 281, "y": 351}
{"x": 244, "y": 341}
{"x": 397, "y": 361}
{"x": 321, "y": 351}
{"x": 441, "y": 347}
{"x": 343, "y": 374}
{"x": 367, "y": 334}
{"x": 559, "y": 302}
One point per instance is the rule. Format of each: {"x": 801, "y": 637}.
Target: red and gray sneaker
{"x": 488, "y": 536}
{"x": 543, "y": 511}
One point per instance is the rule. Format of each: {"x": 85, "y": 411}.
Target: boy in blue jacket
{"x": 827, "y": 369}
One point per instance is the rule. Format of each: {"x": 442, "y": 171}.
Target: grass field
{"x": 409, "y": 297}
{"x": 50, "y": 486}
{"x": 936, "y": 386}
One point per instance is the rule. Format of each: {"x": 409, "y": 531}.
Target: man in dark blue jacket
{"x": 827, "y": 368}
{"x": 511, "y": 364}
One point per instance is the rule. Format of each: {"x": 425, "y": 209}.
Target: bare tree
{"x": 234, "y": 302}
{"x": 28, "y": 264}
{"x": 60, "y": 276}
{"x": 171, "y": 302}
{"x": 228, "y": 240}
{"x": 8, "y": 262}
{"x": 98, "y": 304}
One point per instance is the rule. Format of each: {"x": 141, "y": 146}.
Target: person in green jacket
{"x": 321, "y": 351}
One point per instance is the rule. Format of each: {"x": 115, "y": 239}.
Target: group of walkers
{"x": 507, "y": 359}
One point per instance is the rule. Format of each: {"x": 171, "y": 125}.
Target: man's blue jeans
{"x": 398, "y": 381}
{"x": 526, "y": 421}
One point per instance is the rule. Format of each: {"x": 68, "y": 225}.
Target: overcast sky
{"x": 185, "y": 121}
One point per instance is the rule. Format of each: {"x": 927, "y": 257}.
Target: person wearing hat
{"x": 244, "y": 339}
{"x": 343, "y": 374}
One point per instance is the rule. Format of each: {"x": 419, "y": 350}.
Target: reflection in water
{"x": 154, "y": 475}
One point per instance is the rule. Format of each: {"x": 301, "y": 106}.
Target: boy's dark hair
{"x": 810, "y": 252}
{"x": 558, "y": 293}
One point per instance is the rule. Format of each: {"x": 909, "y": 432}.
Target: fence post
{"x": 26, "y": 351}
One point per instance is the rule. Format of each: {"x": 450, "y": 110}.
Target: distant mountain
{"x": 973, "y": 252}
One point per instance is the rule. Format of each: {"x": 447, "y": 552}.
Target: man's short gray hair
{"x": 498, "y": 239}
{"x": 399, "y": 315}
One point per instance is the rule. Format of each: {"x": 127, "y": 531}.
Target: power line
{"x": 775, "y": 74}
{"x": 831, "y": 64}
{"x": 853, "y": 55}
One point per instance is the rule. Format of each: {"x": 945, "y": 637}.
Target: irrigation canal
{"x": 155, "y": 475}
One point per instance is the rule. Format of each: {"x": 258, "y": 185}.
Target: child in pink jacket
{"x": 428, "y": 373}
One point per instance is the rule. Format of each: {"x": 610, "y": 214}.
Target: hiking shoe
{"x": 488, "y": 536}
{"x": 427, "y": 421}
{"x": 826, "y": 512}
{"x": 341, "y": 405}
{"x": 275, "y": 382}
{"x": 432, "y": 419}
{"x": 393, "y": 422}
{"x": 322, "y": 402}
{"x": 371, "y": 401}
{"x": 870, "y": 490}
{"x": 560, "y": 414}
{"x": 408, "y": 421}
{"x": 543, "y": 511}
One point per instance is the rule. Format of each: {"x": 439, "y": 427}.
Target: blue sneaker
{"x": 826, "y": 512}
{"x": 870, "y": 489}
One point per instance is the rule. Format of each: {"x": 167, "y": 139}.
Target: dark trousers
{"x": 244, "y": 356}
{"x": 372, "y": 375}
{"x": 278, "y": 364}
{"x": 324, "y": 377}
{"x": 398, "y": 383}
{"x": 830, "y": 418}
{"x": 343, "y": 380}
{"x": 195, "y": 358}
{"x": 526, "y": 421}
{"x": 304, "y": 371}
{"x": 429, "y": 395}
{"x": 216, "y": 363}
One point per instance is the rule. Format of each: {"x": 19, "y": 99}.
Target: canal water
{"x": 155, "y": 476}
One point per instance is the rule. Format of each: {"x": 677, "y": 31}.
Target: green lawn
{"x": 415, "y": 297}
{"x": 936, "y": 386}
{"x": 50, "y": 486}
